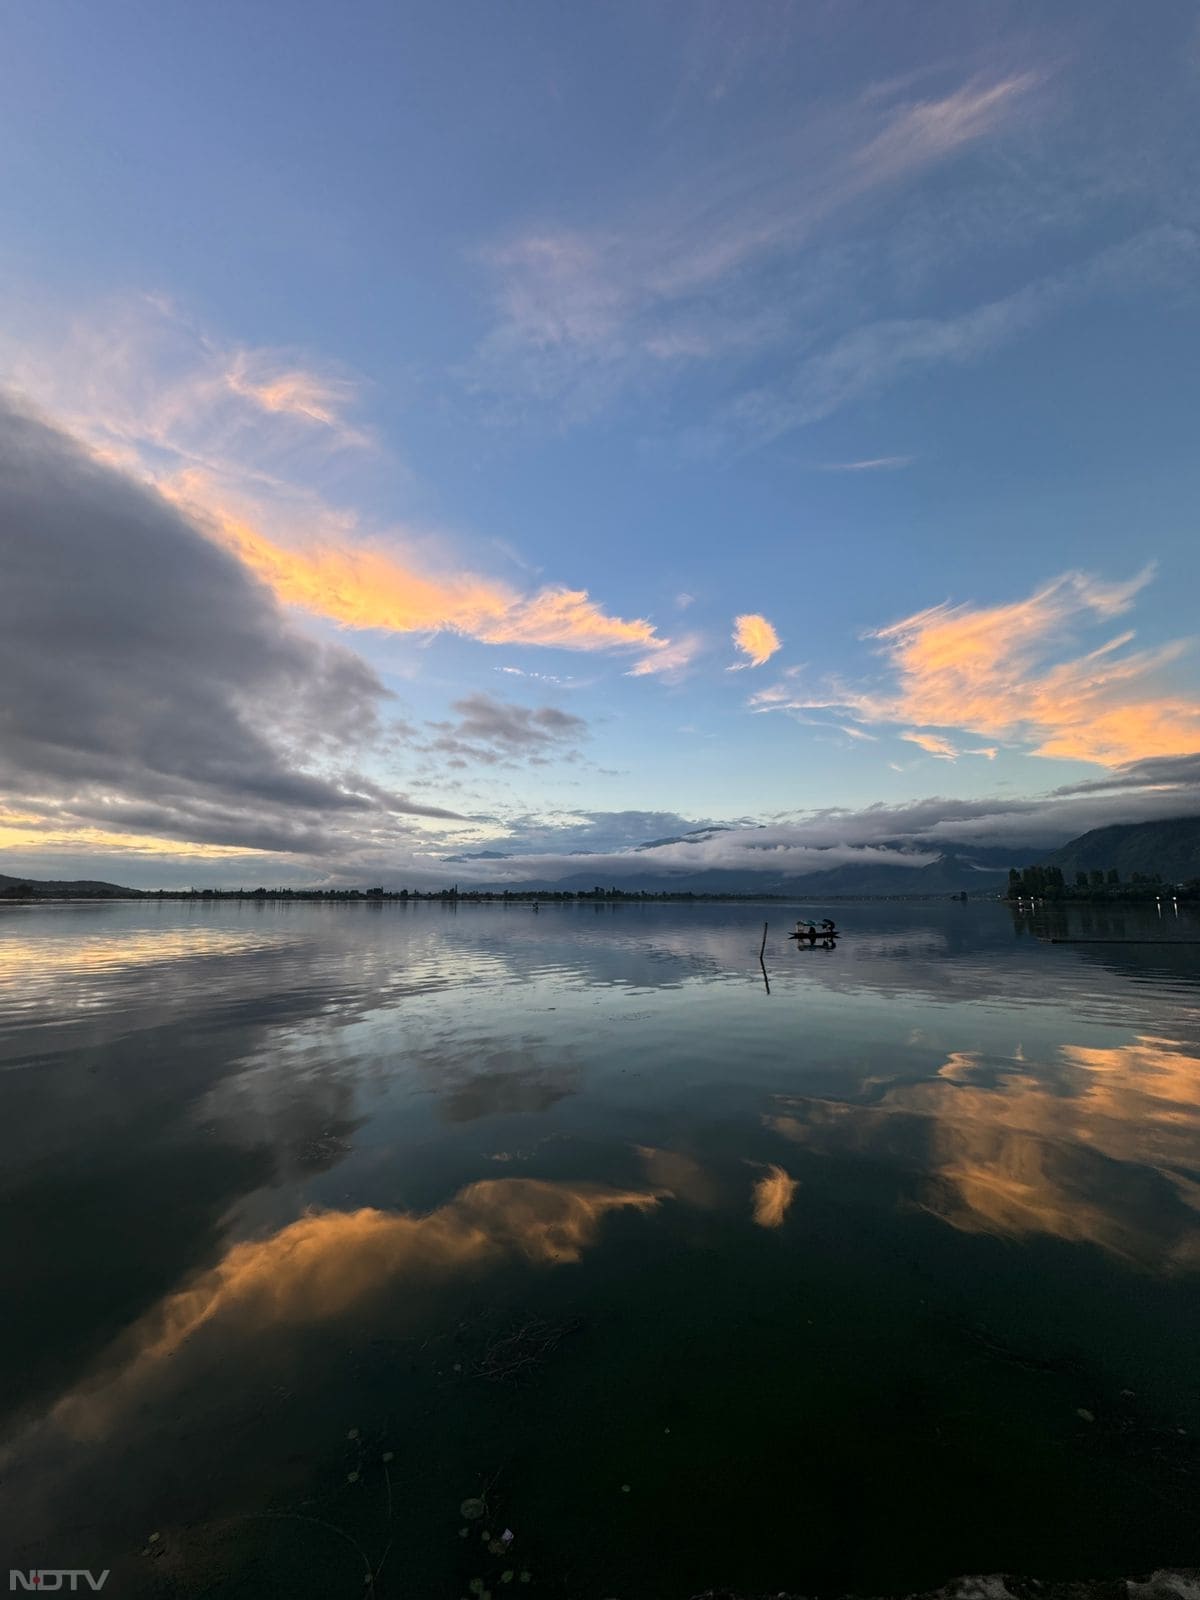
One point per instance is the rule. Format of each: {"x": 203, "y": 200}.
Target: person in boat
{"x": 827, "y": 924}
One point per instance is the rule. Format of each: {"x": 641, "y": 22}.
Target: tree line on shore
{"x": 1096, "y": 885}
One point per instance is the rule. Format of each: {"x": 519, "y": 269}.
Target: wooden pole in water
{"x": 763, "y": 945}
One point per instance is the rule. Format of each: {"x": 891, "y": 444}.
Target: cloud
{"x": 933, "y": 744}
{"x": 999, "y": 671}
{"x": 670, "y": 660}
{"x": 868, "y": 358}
{"x": 250, "y": 444}
{"x": 293, "y": 391}
{"x": 875, "y": 464}
{"x": 150, "y": 689}
{"x": 141, "y": 381}
{"x": 754, "y": 636}
{"x": 584, "y": 313}
{"x": 657, "y": 847}
{"x": 362, "y": 585}
{"x": 491, "y": 730}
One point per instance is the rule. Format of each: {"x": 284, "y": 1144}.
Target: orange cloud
{"x": 367, "y": 586}
{"x": 933, "y": 744}
{"x": 993, "y": 671}
{"x": 754, "y": 636}
{"x": 30, "y": 831}
{"x": 239, "y": 437}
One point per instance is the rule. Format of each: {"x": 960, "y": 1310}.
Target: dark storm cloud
{"x": 148, "y": 683}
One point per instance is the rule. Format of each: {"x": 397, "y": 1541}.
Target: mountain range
{"x": 1170, "y": 847}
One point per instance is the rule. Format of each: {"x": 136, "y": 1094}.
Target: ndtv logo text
{"x": 55, "y": 1578}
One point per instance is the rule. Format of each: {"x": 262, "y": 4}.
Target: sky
{"x": 505, "y": 431}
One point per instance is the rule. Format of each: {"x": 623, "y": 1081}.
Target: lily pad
{"x": 472, "y": 1509}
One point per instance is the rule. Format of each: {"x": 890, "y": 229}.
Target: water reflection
{"x": 1098, "y": 1146}
{"x": 773, "y": 1194}
{"x": 324, "y": 1266}
{"x": 256, "y": 1157}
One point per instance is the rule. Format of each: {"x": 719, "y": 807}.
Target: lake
{"x": 345, "y": 1241}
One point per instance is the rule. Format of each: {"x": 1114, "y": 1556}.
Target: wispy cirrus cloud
{"x": 288, "y": 390}
{"x": 1000, "y": 671}
{"x": 584, "y": 311}
{"x": 933, "y": 744}
{"x": 756, "y": 638}
{"x": 141, "y": 380}
{"x": 872, "y": 464}
{"x": 868, "y": 358}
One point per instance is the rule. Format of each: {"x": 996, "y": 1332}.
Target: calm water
{"x": 324, "y": 1220}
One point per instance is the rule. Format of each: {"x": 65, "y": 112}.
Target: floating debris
{"x": 508, "y": 1535}
{"x": 625, "y": 1488}
{"x": 353, "y": 1434}
{"x": 1084, "y": 1414}
{"x": 507, "y": 1576}
{"x": 523, "y": 1349}
{"x": 352, "y": 1477}
{"x": 472, "y": 1509}
{"x": 154, "y": 1538}
{"x": 388, "y": 1455}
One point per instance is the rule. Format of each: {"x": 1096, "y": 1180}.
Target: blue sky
{"x": 875, "y": 324}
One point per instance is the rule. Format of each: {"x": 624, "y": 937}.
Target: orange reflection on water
{"x": 49, "y": 959}
{"x": 773, "y": 1194}
{"x": 1096, "y": 1152}
{"x": 321, "y": 1266}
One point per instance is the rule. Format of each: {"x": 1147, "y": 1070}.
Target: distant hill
{"x": 62, "y": 888}
{"x": 1171, "y": 848}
